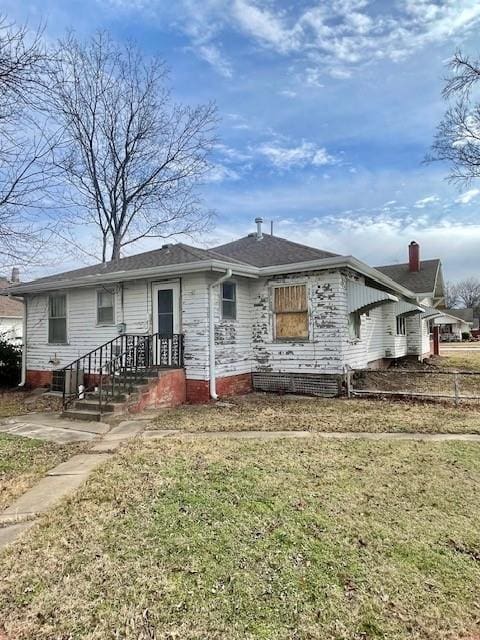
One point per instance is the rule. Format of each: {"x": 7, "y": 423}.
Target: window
{"x": 105, "y": 307}
{"x": 354, "y": 325}
{"x": 57, "y": 319}
{"x": 291, "y": 312}
{"x": 229, "y": 301}
{"x": 401, "y": 326}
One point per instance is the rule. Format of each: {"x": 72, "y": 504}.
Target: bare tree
{"x": 457, "y": 139}
{"x": 24, "y": 146}
{"x": 132, "y": 158}
{"x": 468, "y": 292}
{"x": 450, "y": 295}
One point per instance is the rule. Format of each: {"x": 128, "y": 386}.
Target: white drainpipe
{"x": 24, "y": 346}
{"x": 211, "y": 332}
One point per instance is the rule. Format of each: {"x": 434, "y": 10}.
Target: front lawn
{"x": 462, "y": 360}
{"x": 237, "y": 540}
{"x": 270, "y": 412}
{"x": 23, "y": 461}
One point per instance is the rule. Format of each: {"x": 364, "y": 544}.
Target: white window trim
{"x": 235, "y": 300}
{"x": 282, "y": 285}
{"x": 354, "y": 338}
{"x": 67, "y": 307}
{"x": 401, "y": 320}
{"x": 114, "y": 292}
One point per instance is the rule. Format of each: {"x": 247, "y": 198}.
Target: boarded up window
{"x": 291, "y": 312}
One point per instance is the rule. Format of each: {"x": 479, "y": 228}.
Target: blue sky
{"x": 328, "y": 109}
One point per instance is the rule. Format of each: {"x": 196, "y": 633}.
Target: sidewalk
{"x": 65, "y": 478}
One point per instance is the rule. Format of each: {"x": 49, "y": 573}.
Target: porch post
{"x": 436, "y": 340}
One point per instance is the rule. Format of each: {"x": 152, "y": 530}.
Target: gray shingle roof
{"x": 9, "y": 307}
{"x": 270, "y": 251}
{"x": 172, "y": 254}
{"x": 463, "y": 314}
{"x": 422, "y": 281}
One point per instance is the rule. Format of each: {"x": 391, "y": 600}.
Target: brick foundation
{"x": 169, "y": 390}
{"x": 198, "y": 390}
{"x": 37, "y": 378}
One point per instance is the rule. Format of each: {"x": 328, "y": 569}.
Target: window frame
{"x": 401, "y": 326}
{"x": 356, "y": 334}
{"x": 275, "y": 313}
{"x": 50, "y": 296}
{"x": 114, "y": 307}
{"x": 230, "y": 300}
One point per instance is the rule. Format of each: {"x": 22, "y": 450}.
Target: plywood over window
{"x": 291, "y": 312}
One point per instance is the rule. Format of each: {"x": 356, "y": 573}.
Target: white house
{"x": 260, "y": 312}
{"x": 11, "y": 312}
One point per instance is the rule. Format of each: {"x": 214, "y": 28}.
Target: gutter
{"x": 23, "y": 379}
{"x": 211, "y": 333}
{"x": 246, "y": 270}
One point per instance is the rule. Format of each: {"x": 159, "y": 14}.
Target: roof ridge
{"x": 268, "y": 235}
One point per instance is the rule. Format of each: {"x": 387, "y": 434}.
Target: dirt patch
{"x": 18, "y": 402}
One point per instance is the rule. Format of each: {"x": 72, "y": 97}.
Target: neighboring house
{"x": 261, "y": 311}
{"x": 11, "y": 312}
{"x": 455, "y": 322}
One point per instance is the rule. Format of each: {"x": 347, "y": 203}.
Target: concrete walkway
{"x": 332, "y": 435}
{"x": 65, "y": 478}
{"x": 51, "y": 427}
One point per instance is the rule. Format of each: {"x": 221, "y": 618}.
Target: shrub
{"x": 466, "y": 335}
{"x": 10, "y": 363}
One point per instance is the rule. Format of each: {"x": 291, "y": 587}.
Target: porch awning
{"x": 430, "y": 312}
{"x": 362, "y": 298}
{"x": 403, "y": 309}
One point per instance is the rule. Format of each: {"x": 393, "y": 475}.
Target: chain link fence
{"x": 425, "y": 384}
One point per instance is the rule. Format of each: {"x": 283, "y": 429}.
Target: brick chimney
{"x": 15, "y": 275}
{"x": 414, "y": 256}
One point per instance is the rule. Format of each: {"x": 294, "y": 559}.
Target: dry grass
{"x": 462, "y": 360}
{"x": 14, "y": 403}
{"x": 264, "y": 412}
{"x": 234, "y": 540}
{"x": 23, "y": 461}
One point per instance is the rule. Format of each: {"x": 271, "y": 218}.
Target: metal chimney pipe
{"x": 259, "y": 222}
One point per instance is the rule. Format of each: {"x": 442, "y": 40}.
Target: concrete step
{"x": 92, "y": 405}
{"x": 118, "y": 397}
{"x": 77, "y": 414}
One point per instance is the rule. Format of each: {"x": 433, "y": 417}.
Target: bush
{"x": 466, "y": 335}
{"x": 10, "y": 364}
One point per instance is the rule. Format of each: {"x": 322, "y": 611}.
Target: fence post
{"x": 349, "y": 383}
{"x": 456, "y": 389}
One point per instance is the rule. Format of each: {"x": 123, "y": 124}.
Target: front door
{"x": 166, "y": 309}
{"x": 166, "y": 347}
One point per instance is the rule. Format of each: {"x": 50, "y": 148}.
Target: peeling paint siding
{"x": 371, "y": 344}
{"x": 233, "y": 338}
{"x": 327, "y": 308}
{"x": 396, "y": 345}
{"x": 194, "y": 303}
{"x": 83, "y": 333}
{"x": 418, "y": 336}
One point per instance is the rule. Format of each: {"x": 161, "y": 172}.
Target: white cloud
{"x": 288, "y": 93}
{"x": 211, "y": 54}
{"x": 305, "y": 154}
{"x": 221, "y": 173}
{"x": 424, "y": 202}
{"x": 468, "y": 196}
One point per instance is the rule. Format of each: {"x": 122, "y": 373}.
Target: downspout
{"x": 211, "y": 332}
{"x": 24, "y": 346}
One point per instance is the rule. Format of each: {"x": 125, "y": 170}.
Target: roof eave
{"x": 338, "y": 262}
{"x": 137, "y": 274}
